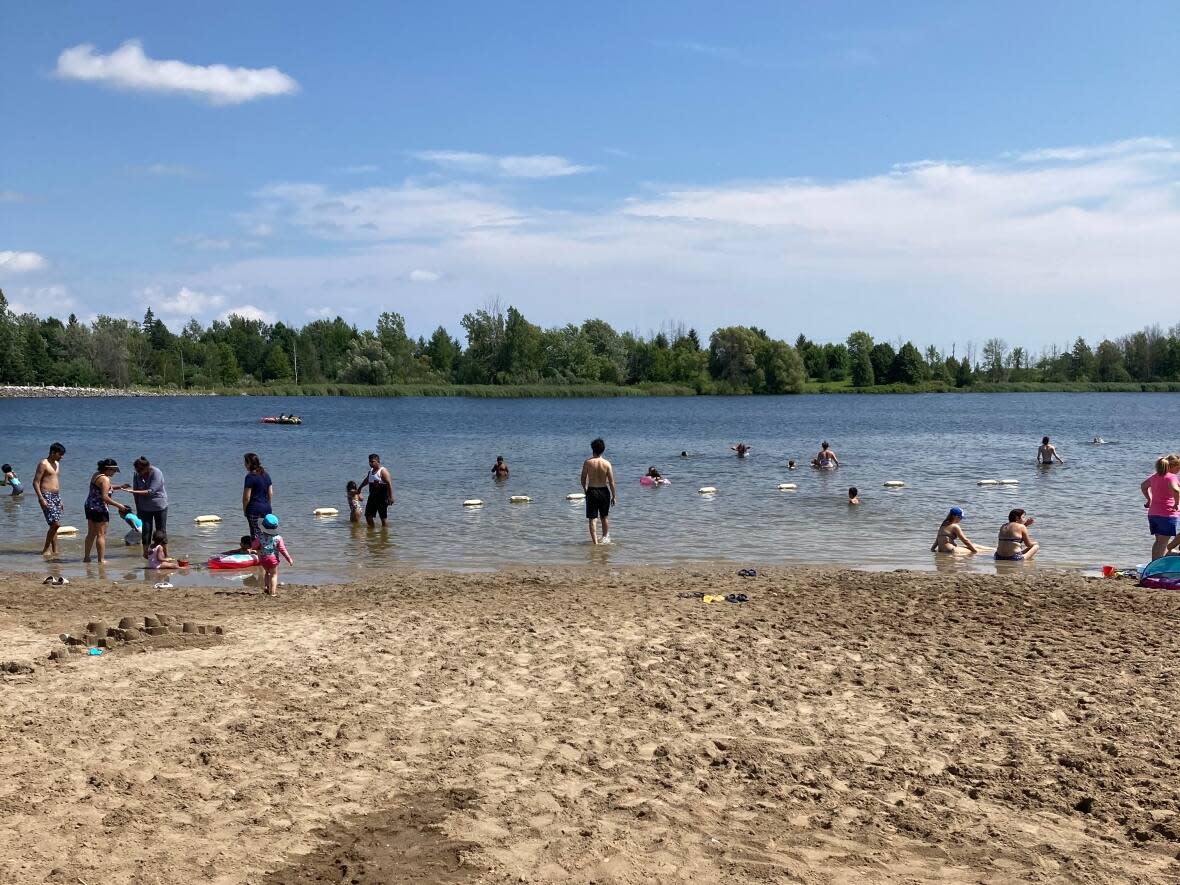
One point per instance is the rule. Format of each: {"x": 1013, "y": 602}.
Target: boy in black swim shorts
{"x": 598, "y": 482}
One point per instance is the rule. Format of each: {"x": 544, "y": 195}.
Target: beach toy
{"x": 473, "y": 502}
{"x": 207, "y": 518}
{"x": 233, "y": 560}
{"x": 646, "y": 481}
{"x": 325, "y": 511}
{"x": 1009, "y": 482}
{"x": 707, "y": 490}
{"x": 1109, "y": 571}
{"x": 68, "y": 530}
{"x": 987, "y": 482}
{"x": 134, "y": 521}
{"x": 95, "y": 652}
{"x": 894, "y": 484}
{"x": 520, "y": 499}
{"x": 787, "y": 486}
{"x": 575, "y": 496}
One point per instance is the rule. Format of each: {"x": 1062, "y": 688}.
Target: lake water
{"x": 440, "y": 452}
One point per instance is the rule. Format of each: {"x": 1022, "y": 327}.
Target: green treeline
{"x": 503, "y": 349}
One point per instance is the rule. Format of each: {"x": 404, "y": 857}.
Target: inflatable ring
{"x": 208, "y": 517}
{"x": 473, "y": 502}
{"x": 68, "y": 530}
{"x": 787, "y": 486}
{"x": 576, "y": 496}
{"x": 520, "y": 499}
{"x": 707, "y": 490}
{"x": 325, "y": 511}
{"x": 894, "y": 484}
{"x": 987, "y": 482}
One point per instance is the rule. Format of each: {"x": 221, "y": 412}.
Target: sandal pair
{"x": 55, "y": 580}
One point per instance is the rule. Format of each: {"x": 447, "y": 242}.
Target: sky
{"x": 946, "y": 172}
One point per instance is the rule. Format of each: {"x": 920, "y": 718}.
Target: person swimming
{"x": 791, "y": 465}
{"x": 742, "y": 449}
{"x": 853, "y": 496}
{"x": 950, "y": 533}
{"x": 1015, "y": 543}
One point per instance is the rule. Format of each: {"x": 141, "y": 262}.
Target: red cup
{"x": 1108, "y": 571}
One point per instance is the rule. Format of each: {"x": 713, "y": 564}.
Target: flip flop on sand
{"x": 737, "y": 597}
{"x": 709, "y": 598}
{"x": 748, "y": 572}
{"x": 164, "y": 585}
{"x": 694, "y": 595}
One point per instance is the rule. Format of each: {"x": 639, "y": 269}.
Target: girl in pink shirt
{"x": 1162, "y": 491}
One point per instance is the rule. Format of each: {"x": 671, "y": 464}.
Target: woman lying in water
{"x": 950, "y": 533}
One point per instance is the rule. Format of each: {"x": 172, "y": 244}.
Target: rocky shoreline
{"x": 10, "y": 391}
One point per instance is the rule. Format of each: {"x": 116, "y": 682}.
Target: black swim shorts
{"x": 378, "y": 503}
{"x": 597, "y": 502}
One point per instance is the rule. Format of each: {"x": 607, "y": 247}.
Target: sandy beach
{"x": 597, "y": 727}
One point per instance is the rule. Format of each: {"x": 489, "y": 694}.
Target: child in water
{"x": 158, "y": 553}
{"x": 270, "y": 547}
{"x": 790, "y": 465}
{"x": 245, "y": 544}
{"x": 356, "y": 504}
{"x": 853, "y": 498}
{"x": 11, "y": 480}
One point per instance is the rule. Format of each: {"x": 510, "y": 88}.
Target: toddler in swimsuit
{"x": 356, "y": 504}
{"x": 270, "y": 547}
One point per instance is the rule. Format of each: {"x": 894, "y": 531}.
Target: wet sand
{"x": 593, "y": 726}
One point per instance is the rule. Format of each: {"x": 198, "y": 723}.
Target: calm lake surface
{"x": 440, "y": 452}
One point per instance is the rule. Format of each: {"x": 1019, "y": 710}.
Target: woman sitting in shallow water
{"x": 1015, "y": 541}
{"x": 950, "y": 533}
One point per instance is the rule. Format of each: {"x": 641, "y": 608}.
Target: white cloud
{"x": 424, "y": 276}
{"x": 249, "y": 312}
{"x": 21, "y": 262}
{"x": 185, "y": 303}
{"x": 511, "y": 166}
{"x": 1139, "y": 146}
{"x": 262, "y": 229}
{"x": 44, "y": 301}
{"x": 939, "y": 250}
{"x": 129, "y": 68}
{"x": 320, "y": 313}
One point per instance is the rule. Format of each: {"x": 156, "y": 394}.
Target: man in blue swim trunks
{"x": 47, "y": 486}
{"x": 598, "y": 482}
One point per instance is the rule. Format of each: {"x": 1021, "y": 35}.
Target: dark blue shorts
{"x": 1164, "y": 525}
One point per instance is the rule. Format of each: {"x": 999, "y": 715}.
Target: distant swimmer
{"x": 500, "y": 468}
{"x": 655, "y": 477}
{"x": 742, "y": 449}
{"x": 684, "y": 454}
{"x": 1097, "y": 441}
{"x": 791, "y": 465}
{"x": 826, "y": 459}
{"x": 1015, "y": 543}
{"x": 853, "y": 497}
{"x": 598, "y": 483}
{"x": 950, "y": 533}
{"x": 1047, "y": 453}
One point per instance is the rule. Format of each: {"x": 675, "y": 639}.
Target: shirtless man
{"x": 598, "y": 482}
{"x": 47, "y": 486}
{"x": 500, "y": 468}
{"x": 1047, "y": 453}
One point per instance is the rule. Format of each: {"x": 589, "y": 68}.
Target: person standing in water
{"x": 500, "y": 468}
{"x": 47, "y": 485}
{"x": 380, "y": 485}
{"x": 1162, "y": 491}
{"x": 598, "y": 482}
{"x": 826, "y": 459}
{"x": 1047, "y": 453}
{"x": 257, "y": 492}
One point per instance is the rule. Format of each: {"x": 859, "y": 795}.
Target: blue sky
{"x": 941, "y": 171}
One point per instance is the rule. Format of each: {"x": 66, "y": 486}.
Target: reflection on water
{"x": 441, "y": 451}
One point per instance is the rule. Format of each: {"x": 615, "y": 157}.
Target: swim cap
{"x": 956, "y": 511}
{"x": 270, "y": 523}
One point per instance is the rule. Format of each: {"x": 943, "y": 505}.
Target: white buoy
{"x": 325, "y": 511}
{"x": 575, "y": 496}
{"x": 1009, "y": 482}
{"x": 894, "y": 484}
{"x": 987, "y": 482}
{"x": 787, "y": 486}
{"x": 68, "y": 530}
{"x": 473, "y": 502}
{"x": 520, "y": 499}
{"x": 208, "y": 517}
{"x": 707, "y": 490}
